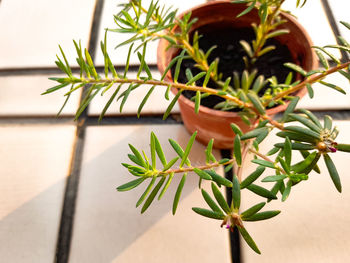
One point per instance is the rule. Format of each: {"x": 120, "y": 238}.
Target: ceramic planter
{"x": 214, "y": 123}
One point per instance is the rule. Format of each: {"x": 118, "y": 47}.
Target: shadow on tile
{"x": 29, "y": 233}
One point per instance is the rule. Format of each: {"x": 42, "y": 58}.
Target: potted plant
{"x": 216, "y": 20}
{"x": 249, "y": 94}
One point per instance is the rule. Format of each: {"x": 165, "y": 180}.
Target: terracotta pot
{"x": 214, "y": 123}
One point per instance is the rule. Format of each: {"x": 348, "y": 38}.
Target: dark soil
{"x": 230, "y": 53}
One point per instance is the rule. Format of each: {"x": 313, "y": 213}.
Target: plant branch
{"x": 273, "y": 122}
{"x": 239, "y": 169}
{"x": 178, "y": 86}
{"x": 264, "y": 157}
{"x": 310, "y": 80}
{"x": 190, "y": 169}
{"x": 266, "y": 28}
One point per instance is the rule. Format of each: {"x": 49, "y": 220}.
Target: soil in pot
{"x": 230, "y": 53}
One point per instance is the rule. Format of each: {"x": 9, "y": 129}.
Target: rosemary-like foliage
{"x": 299, "y": 130}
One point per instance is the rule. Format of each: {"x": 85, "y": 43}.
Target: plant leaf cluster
{"x": 145, "y": 169}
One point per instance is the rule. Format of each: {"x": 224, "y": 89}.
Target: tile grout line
{"x": 65, "y": 233}
{"x": 92, "y": 120}
{"x": 234, "y": 239}
{"x": 4, "y": 72}
{"x": 333, "y": 23}
{"x": 337, "y": 114}
{"x": 134, "y": 120}
{"x": 69, "y": 202}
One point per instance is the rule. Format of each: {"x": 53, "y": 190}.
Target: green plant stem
{"x": 238, "y": 170}
{"x": 203, "y": 63}
{"x": 166, "y": 84}
{"x": 309, "y": 80}
{"x": 190, "y": 51}
{"x": 251, "y": 150}
{"x": 215, "y": 92}
{"x": 180, "y": 86}
{"x": 185, "y": 43}
{"x": 187, "y": 46}
{"x": 274, "y": 123}
{"x": 266, "y": 29}
{"x": 133, "y": 2}
{"x": 263, "y": 156}
{"x": 275, "y": 11}
{"x": 190, "y": 169}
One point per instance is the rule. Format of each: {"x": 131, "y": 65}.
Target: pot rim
{"x": 227, "y": 114}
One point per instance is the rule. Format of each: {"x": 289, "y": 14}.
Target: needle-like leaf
{"x": 202, "y": 174}
{"x": 171, "y": 105}
{"x": 138, "y": 156}
{"x": 188, "y": 149}
{"x": 252, "y": 177}
{"x": 261, "y": 191}
{"x": 219, "y": 179}
{"x": 262, "y": 216}
{"x": 145, "y": 193}
{"x": 236, "y": 192}
{"x": 178, "y": 193}
{"x": 143, "y": 102}
{"x": 220, "y": 198}
{"x": 256, "y": 102}
{"x": 237, "y": 150}
{"x": 248, "y": 239}
{"x": 130, "y": 185}
{"x": 286, "y": 191}
{"x": 208, "y": 213}
{"x": 333, "y": 172}
{"x": 166, "y": 186}
{"x": 153, "y": 194}
{"x": 153, "y": 151}
{"x": 211, "y": 202}
{"x": 197, "y": 101}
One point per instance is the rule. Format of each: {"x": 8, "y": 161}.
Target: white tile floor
{"x": 316, "y": 25}
{"x": 339, "y": 9}
{"x": 21, "y": 96}
{"x": 34, "y": 165}
{"x": 33, "y": 30}
{"x": 35, "y": 160}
